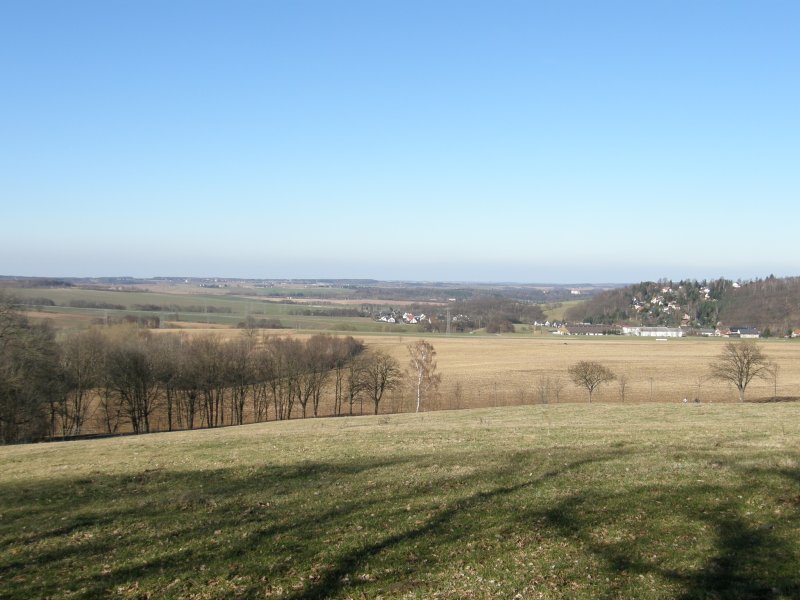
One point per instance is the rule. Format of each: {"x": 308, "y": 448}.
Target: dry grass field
{"x": 558, "y": 501}
{"x": 485, "y": 371}
{"x": 506, "y": 370}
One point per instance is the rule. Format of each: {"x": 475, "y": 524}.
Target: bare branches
{"x": 589, "y": 374}
{"x": 381, "y": 372}
{"x": 423, "y": 370}
{"x": 739, "y": 363}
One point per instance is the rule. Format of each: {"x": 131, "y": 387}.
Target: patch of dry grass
{"x": 645, "y": 501}
{"x": 496, "y": 371}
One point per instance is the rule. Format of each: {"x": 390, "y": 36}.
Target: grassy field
{"x": 559, "y": 501}
{"x": 501, "y": 371}
{"x": 187, "y": 307}
{"x": 497, "y": 371}
{"x": 493, "y": 371}
{"x": 557, "y": 311}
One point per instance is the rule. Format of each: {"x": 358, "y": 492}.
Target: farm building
{"x": 744, "y": 332}
{"x": 586, "y": 329}
{"x": 661, "y": 332}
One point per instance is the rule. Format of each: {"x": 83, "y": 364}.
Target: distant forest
{"x": 771, "y": 304}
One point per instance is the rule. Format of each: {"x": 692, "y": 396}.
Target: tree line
{"x": 121, "y": 377}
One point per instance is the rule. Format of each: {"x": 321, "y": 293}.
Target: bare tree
{"x": 556, "y": 387}
{"x": 282, "y": 357}
{"x": 263, "y": 375}
{"x": 739, "y": 363}
{"x": 590, "y": 375}
{"x": 356, "y": 381}
{"x": 548, "y": 388}
{"x": 622, "y": 385}
{"x": 457, "y": 395}
{"x": 698, "y": 383}
{"x": 544, "y": 389}
{"x": 423, "y": 370}
{"x": 30, "y": 378}
{"x": 168, "y": 373}
{"x": 132, "y": 376}
{"x": 188, "y": 387}
{"x": 774, "y": 368}
{"x": 207, "y": 362}
{"x": 81, "y": 362}
{"x": 381, "y": 373}
{"x": 240, "y": 374}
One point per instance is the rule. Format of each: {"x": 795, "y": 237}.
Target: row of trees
{"x": 126, "y": 376}
{"x": 119, "y": 377}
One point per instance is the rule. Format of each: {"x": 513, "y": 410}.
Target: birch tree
{"x": 423, "y": 370}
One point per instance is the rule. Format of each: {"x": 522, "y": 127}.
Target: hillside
{"x": 771, "y": 304}
{"x": 576, "y": 501}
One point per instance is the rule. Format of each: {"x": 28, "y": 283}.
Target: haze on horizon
{"x": 448, "y": 141}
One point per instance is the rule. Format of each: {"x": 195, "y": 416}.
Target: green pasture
{"x": 558, "y": 310}
{"x": 191, "y": 307}
{"x": 326, "y": 293}
{"x": 563, "y": 501}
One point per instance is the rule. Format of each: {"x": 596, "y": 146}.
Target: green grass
{"x": 578, "y": 501}
{"x": 305, "y": 292}
{"x": 237, "y": 309}
{"x": 558, "y": 310}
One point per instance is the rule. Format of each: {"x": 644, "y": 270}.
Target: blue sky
{"x": 484, "y": 141}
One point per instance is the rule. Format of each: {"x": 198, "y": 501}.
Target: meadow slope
{"x": 586, "y": 501}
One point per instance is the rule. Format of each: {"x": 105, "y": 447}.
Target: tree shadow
{"x": 312, "y": 530}
{"x": 747, "y": 559}
{"x": 341, "y": 573}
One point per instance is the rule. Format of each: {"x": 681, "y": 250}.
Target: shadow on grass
{"x": 747, "y": 557}
{"x": 318, "y": 530}
{"x": 435, "y": 528}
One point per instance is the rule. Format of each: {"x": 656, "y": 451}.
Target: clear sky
{"x": 435, "y": 140}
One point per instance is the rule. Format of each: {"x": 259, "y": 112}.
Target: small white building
{"x": 661, "y": 332}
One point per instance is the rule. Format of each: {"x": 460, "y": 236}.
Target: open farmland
{"x": 179, "y": 307}
{"x": 488, "y": 371}
{"x": 496, "y": 371}
{"x": 645, "y": 501}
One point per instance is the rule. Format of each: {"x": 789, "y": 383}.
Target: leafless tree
{"x": 622, "y": 386}
{"x": 30, "y": 378}
{"x": 457, "y": 395}
{"x": 590, "y": 375}
{"x": 207, "y": 369}
{"x": 186, "y": 382}
{"x": 739, "y": 363}
{"x": 283, "y": 357}
{"x": 774, "y": 368}
{"x": 263, "y": 375}
{"x": 168, "y": 369}
{"x": 423, "y": 370}
{"x": 82, "y": 365}
{"x": 356, "y": 382}
{"x": 240, "y": 374}
{"x": 556, "y": 387}
{"x": 543, "y": 389}
{"x": 381, "y": 373}
{"x": 132, "y": 376}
